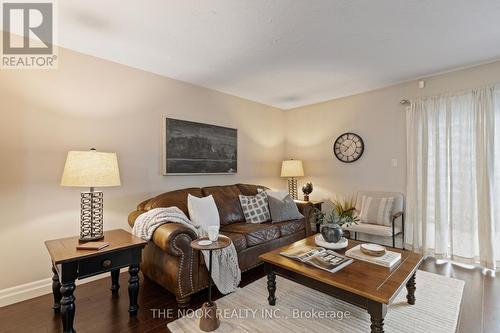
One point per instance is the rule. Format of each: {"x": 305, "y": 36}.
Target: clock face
{"x": 348, "y": 147}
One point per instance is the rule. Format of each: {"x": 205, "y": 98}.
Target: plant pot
{"x": 331, "y": 233}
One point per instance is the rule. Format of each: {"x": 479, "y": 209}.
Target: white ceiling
{"x": 285, "y": 53}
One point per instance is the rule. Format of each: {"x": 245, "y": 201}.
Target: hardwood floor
{"x": 481, "y": 299}
{"x": 98, "y": 311}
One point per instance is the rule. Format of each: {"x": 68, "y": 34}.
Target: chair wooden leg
{"x": 355, "y": 236}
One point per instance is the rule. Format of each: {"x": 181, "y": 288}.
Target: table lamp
{"x": 91, "y": 169}
{"x": 291, "y": 169}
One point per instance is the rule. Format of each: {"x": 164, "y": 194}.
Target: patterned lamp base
{"x": 292, "y": 188}
{"x": 91, "y": 218}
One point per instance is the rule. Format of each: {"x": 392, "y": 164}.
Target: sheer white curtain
{"x": 453, "y": 176}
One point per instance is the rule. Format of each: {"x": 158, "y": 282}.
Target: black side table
{"x": 69, "y": 264}
{"x": 209, "y": 320}
{"x": 316, "y": 204}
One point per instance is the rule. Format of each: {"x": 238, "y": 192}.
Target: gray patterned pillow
{"x": 255, "y": 207}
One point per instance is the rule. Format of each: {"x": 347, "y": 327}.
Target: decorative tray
{"x": 320, "y": 241}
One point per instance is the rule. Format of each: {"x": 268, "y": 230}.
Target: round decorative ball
{"x": 307, "y": 188}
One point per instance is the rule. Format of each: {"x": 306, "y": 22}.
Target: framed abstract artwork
{"x": 196, "y": 148}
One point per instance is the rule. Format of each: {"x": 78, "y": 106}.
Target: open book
{"x": 319, "y": 257}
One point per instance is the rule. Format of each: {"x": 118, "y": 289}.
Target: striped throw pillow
{"x": 376, "y": 210}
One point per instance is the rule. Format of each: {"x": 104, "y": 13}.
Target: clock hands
{"x": 347, "y": 147}
{"x": 343, "y": 145}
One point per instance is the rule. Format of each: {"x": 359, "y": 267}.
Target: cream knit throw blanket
{"x": 226, "y": 272}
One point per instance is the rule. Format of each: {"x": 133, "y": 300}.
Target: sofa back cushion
{"x": 176, "y": 198}
{"x": 249, "y": 189}
{"x": 227, "y": 201}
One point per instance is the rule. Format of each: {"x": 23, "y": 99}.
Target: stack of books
{"x": 389, "y": 259}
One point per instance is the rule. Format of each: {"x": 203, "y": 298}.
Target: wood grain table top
{"x": 361, "y": 278}
{"x": 220, "y": 243}
{"x": 64, "y": 250}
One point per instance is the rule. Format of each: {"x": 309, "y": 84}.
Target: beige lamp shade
{"x": 91, "y": 169}
{"x": 292, "y": 168}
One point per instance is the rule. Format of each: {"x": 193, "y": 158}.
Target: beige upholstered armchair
{"x": 391, "y": 228}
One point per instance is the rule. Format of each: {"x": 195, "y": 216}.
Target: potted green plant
{"x": 343, "y": 213}
{"x": 319, "y": 216}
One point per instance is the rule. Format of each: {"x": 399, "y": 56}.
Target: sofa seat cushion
{"x": 239, "y": 240}
{"x": 255, "y": 234}
{"x": 291, "y": 226}
{"x": 373, "y": 229}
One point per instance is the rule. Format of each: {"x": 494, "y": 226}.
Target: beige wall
{"x": 380, "y": 120}
{"x": 90, "y": 102}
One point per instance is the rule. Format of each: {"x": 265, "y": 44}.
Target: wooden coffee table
{"x": 368, "y": 286}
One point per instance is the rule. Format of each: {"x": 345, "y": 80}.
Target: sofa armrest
{"x": 174, "y": 239}
{"x": 133, "y": 216}
{"x": 140, "y": 210}
{"x": 307, "y": 209}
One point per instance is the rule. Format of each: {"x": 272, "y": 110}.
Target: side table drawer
{"x": 104, "y": 263}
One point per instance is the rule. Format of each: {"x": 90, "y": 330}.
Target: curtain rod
{"x": 495, "y": 85}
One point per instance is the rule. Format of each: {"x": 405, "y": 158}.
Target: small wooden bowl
{"x": 374, "y": 250}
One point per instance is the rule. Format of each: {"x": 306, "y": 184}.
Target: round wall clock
{"x": 348, "y": 147}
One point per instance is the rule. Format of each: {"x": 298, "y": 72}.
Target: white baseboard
{"x": 25, "y": 291}
{"x": 34, "y": 289}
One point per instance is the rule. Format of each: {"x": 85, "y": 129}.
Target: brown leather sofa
{"x": 169, "y": 260}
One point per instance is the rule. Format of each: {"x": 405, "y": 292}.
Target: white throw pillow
{"x": 376, "y": 210}
{"x": 203, "y": 212}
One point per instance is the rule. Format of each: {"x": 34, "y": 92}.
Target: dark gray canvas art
{"x": 196, "y": 148}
